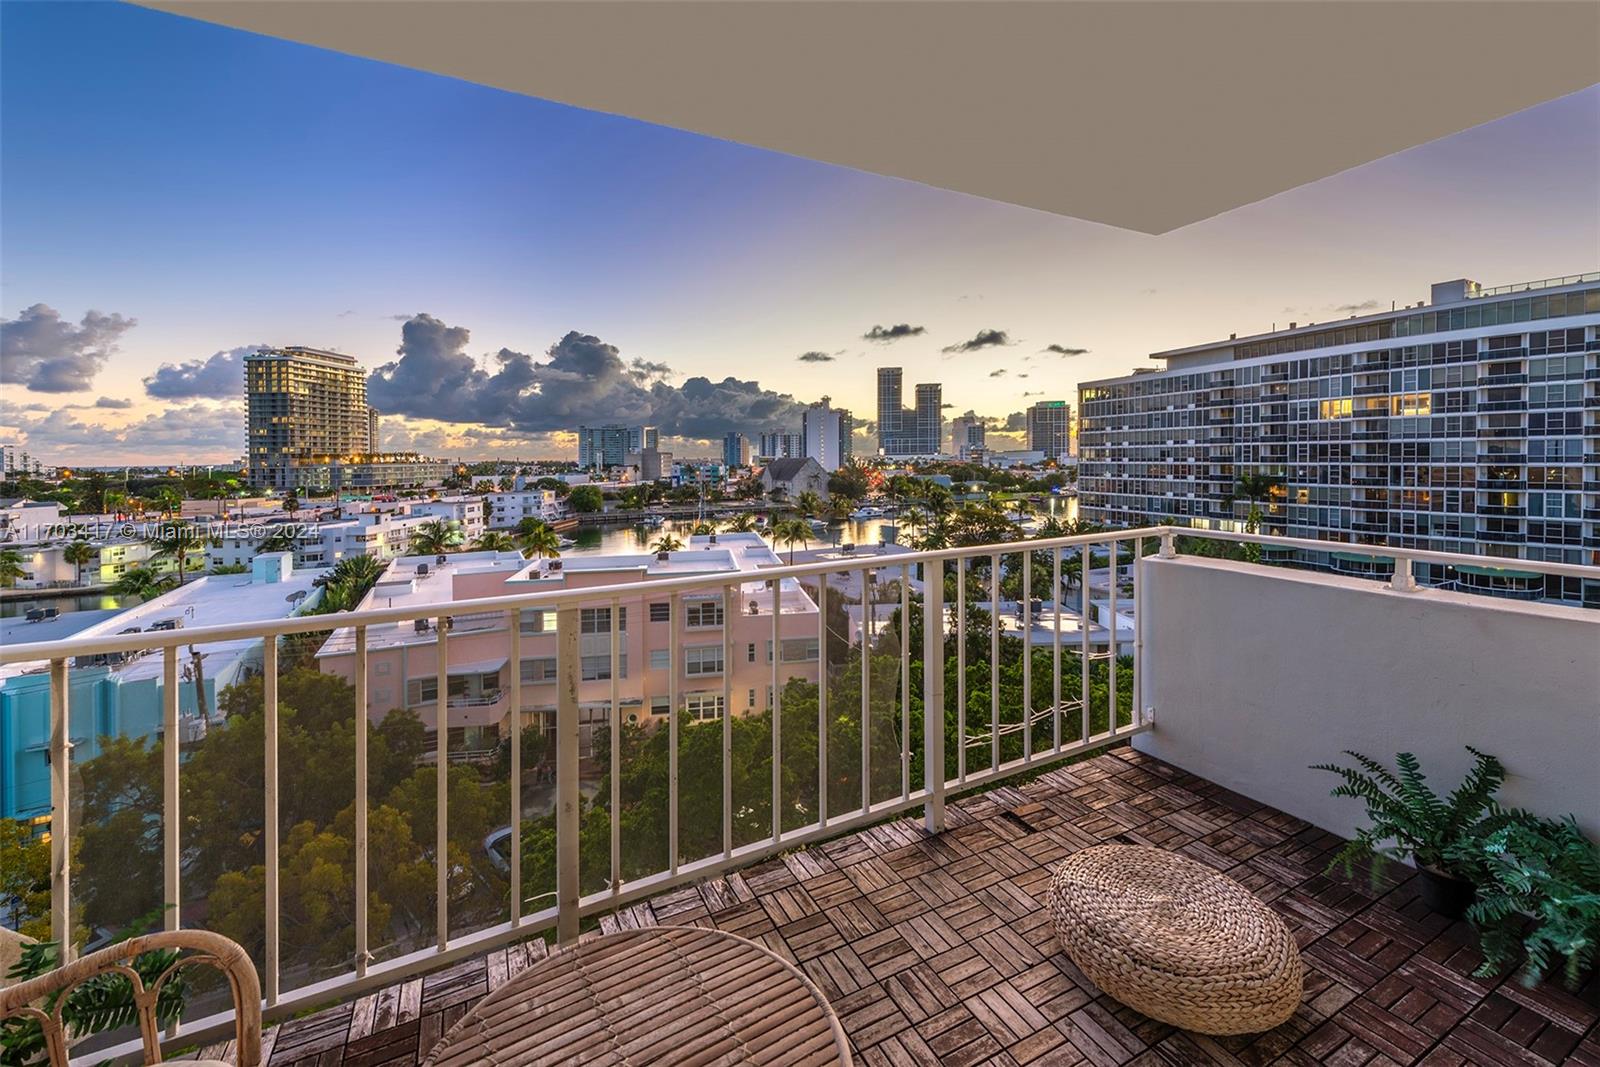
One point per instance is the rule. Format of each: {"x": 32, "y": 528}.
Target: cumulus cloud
{"x": 1017, "y": 420}
{"x": 113, "y": 403}
{"x": 196, "y": 431}
{"x": 886, "y": 334}
{"x": 220, "y": 376}
{"x": 584, "y": 380}
{"x": 46, "y": 354}
{"x": 644, "y": 370}
{"x": 1063, "y": 350}
{"x": 984, "y": 339}
{"x": 1001, "y": 373}
{"x": 814, "y": 357}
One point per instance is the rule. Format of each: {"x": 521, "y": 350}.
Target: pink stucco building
{"x": 711, "y": 677}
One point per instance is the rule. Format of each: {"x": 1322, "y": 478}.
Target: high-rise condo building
{"x": 610, "y": 445}
{"x": 1468, "y": 424}
{"x": 827, "y": 432}
{"x": 967, "y": 436}
{"x": 303, "y": 405}
{"x": 372, "y": 430}
{"x": 781, "y": 445}
{"x": 915, "y": 432}
{"x": 735, "y": 450}
{"x": 1050, "y": 429}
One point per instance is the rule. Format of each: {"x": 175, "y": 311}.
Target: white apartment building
{"x": 506, "y": 510}
{"x": 1467, "y": 424}
{"x": 827, "y": 432}
{"x": 468, "y": 513}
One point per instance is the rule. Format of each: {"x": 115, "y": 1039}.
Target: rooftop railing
{"x": 936, "y": 695}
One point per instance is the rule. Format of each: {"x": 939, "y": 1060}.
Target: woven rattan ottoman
{"x": 1175, "y": 939}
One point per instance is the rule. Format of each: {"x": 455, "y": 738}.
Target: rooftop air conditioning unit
{"x": 422, "y": 570}
{"x": 442, "y": 558}
{"x": 420, "y": 626}
{"x": 555, "y": 564}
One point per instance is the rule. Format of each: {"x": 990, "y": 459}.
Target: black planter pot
{"x": 1445, "y": 893}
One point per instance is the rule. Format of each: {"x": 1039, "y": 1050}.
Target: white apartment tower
{"x": 1468, "y": 424}
{"x": 827, "y": 432}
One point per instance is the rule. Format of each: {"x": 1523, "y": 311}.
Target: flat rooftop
{"x": 210, "y": 600}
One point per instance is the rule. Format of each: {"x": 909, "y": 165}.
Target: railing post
{"x": 60, "y": 811}
{"x": 363, "y": 955}
{"x": 269, "y": 745}
{"x": 441, "y": 783}
{"x": 567, "y": 776}
{"x": 1404, "y": 580}
{"x": 933, "y": 695}
{"x": 171, "y": 824}
{"x": 1168, "y": 547}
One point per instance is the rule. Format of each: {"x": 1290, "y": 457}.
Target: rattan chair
{"x": 25, "y": 999}
{"x": 1175, "y": 939}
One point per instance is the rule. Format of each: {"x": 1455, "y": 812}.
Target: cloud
{"x": 220, "y": 376}
{"x": 345, "y": 314}
{"x": 1063, "y": 350}
{"x": 1356, "y": 309}
{"x": 814, "y": 357}
{"x": 1033, "y": 392}
{"x": 1001, "y": 373}
{"x": 45, "y": 354}
{"x": 1017, "y": 420}
{"x": 885, "y": 334}
{"x": 197, "y": 431}
{"x": 113, "y": 403}
{"x": 584, "y": 381}
{"x": 643, "y": 370}
{"x": 984, "y": 339}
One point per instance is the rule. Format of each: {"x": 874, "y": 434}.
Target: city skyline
{"x": 510, "y": 268}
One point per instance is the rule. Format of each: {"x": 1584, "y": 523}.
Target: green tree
{"x": 141, "y": 582}
{"x": 791, "y": 532}
{"x": 495, "y": 541}
{"x": 666, "y": 543}
{"x": 78, "y": 552}
{"x": 744, "y": 522}
{"x": 11, "y": 570}
{"x": 808, "y": 504}
{"x": 538, "y": 540}
{"x": 179, "y": 542}
{"x": 25, "y": 879}
{"x": 586, "y": 499}
{"x": 435, "y": 538}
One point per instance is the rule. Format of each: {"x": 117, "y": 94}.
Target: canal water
{"x": 603, "y": 539}
{"x": 18, "y": 607}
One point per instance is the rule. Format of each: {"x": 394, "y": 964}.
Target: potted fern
{"x": 1538, "y": 883}
{"x": 1409, "y": 819}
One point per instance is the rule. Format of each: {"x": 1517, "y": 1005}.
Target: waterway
{"x": 607, "y": 539}
{"x": 18, "y": 607}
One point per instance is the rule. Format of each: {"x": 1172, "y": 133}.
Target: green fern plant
{"x": 1538, "y": 894}
{"x": 104, "y": 1002}
{"x": 1404, "y": 810}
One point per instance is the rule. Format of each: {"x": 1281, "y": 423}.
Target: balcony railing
{"x": 1038, "y": 646}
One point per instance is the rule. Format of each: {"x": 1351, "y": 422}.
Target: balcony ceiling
{"x": 1144, "y": 115}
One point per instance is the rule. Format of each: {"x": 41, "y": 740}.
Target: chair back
{"x": 25, "y": 998}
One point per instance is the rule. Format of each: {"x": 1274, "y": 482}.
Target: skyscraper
{"x": 1050, "y": 429}
{"x": 967, "y": 435}
{"x": 915, "y": 432}
{"x": 827, "y": 434}
{"x": 372, "y": 431}
{"x": 780, "y": 445}
{"x": 611, "y": 444}
{"x": 735, "y": 450}
{"x": 302, "y": 405}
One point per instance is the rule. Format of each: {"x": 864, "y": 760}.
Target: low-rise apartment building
{"x": 506, "y": 510}
{"x": 1470, "y": 424}
{"x": 717, "y": 658}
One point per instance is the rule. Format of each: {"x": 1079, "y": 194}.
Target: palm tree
{"x": 538, "y": 539}
{"x": 495, "y": 541}
{"x": 808, "y": 504}
{"x": 435, "y": 538}
{"x": 666, "y": 543}
{"x": 169, "y": 500}
{"x": 176, "y": 541}
{"x": 744, "y": 522}
{"x": 280, "y": 540}
{"x": 1254, "y": 487}
{"x": 78, "y": 552}
{"x": 791, "y": 532}
{"x": 10, "y": 568}
{"x": 141, "y": 582}
{"x": 912, "y": 518}
{"x": 291, "y": 502}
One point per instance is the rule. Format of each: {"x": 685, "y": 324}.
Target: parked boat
{"x": 868, "y": 511}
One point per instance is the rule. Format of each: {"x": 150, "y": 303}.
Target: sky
{"x": 174, "y": 194}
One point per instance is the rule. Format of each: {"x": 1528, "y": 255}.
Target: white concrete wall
{"x": 1256, "y": 672}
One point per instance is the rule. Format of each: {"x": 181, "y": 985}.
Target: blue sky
{"x": 222, "y": 190}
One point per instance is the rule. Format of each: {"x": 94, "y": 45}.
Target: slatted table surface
{"x": 667, "y": 996}
{"x": 938, "y": 951}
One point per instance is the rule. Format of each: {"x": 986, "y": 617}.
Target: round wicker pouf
{"x": 1176, "y": 940}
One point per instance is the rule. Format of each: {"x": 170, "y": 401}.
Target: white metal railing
{"x": 996, "y": 746}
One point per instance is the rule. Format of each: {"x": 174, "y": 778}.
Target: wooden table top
{"x": 666, "y": 995}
